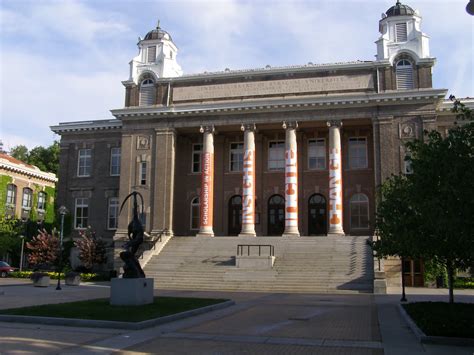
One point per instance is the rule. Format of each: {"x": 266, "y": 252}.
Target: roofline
{"x": 28, "y": 171}
{"x": 94, "y": 125}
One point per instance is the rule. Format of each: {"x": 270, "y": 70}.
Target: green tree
{"x": 10, "y": 229}
{"x": 45, "y": 158}
{"x": 429, "y": 213}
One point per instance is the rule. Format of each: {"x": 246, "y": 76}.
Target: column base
{"x": 247, "y": 234}
{"x": 205, "y": 234}
{"x": 290, "y": 234}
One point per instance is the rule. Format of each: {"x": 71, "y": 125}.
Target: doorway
{"x": 276, "y": 215}
{"x": 317, "y": 215}
{"x": 235, "y": 215}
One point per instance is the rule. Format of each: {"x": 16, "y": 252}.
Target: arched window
{"x": 41, "y": 201}
{"x": 11, "y": 195}
{"x": 147, "y": 93}
{"x": 195, "y": 213}
{"x": 404, "y": 74}
{"x": 359, "y": 208}
{"x": 27, "y": 200}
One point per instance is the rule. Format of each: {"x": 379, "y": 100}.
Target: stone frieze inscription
{"x": 274, "y": 87}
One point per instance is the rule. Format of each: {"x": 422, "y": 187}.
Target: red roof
{"x": 15, "y": 161}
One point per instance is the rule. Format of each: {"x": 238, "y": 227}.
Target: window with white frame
{"x": 357, "y": 152}
{"x": 142, "y": 172}
{"x": 113, "y": 212}
{"x": 115, "y": 161}
{"x": 147, "y": 93}
{"x": 196, "y": 160}
{"x": 404, "y": 75}
{"x": 81, "y": 215}
{"x": 195, "y": 213}
{"x": 236, "y": 157}
{"x": 276, "y": 155}
{"x": 151, "y": 54}
{"x": 317, "y": 154}
{"x": 359, "y": 209}
{"x": 84, "y": 162}
{"x": 11, "y": 195}
{"x": 41, "y": 201}
{"x": 401, "y": 34}
{"x": 27, "y": 200}
{"x": 407, "y": 167}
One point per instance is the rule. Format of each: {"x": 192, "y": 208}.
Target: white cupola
{"x": 401, "y": 32}
{"x": 157, "y": 55}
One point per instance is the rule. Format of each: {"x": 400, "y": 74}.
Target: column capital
{"x": 289, "y": 124}
{"x": 334, "y": 123}
{"x": 207, "y": 129}
{"x": 248, "y": 127}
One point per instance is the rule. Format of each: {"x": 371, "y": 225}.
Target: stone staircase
{"x": 304, "y": 264}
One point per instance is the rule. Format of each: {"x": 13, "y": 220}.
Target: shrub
{"x": 43, "y": 249}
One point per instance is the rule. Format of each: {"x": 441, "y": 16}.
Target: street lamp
{"x": 22, "y": 237}
{"x": 404, "y": 298}
{"x": 62, "y": 211}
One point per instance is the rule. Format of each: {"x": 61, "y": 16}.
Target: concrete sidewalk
{"x": 259, "y": 323}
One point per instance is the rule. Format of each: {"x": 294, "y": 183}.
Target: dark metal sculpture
{"x": 132, "y": 268}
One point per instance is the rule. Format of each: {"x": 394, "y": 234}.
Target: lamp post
{"x": 22, "y": 237}
{"x": 403, "y": 299}
{"x": 62, "y": 211}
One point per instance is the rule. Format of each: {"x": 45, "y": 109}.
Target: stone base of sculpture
{"x": 131, "y": 292}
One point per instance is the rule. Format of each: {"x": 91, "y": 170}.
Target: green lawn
{"x": 443, "y": 319}
{"x": 100, "y": 309}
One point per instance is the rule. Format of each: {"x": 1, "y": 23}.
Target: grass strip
{"x": 443, "y": 319}
{"x": 100, "y": 309}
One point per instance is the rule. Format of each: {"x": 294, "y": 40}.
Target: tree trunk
{"x": 450, "y": 269}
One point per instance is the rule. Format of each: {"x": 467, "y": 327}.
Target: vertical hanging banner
{"x": 335, "y": 189}
{"x": 207, "y": 191}
{"x": 248, "y": 203}
{"x": 291, "y": 189}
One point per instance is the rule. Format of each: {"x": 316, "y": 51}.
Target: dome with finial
{"x": 157, "y": 33}
{"x": 400, "y": 10}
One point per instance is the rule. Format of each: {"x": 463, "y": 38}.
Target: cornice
{"x": 287, "y": 104}
{"x": 98, "y": 125}
{"x": 28, "y": 171}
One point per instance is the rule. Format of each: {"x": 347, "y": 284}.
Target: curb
{"x": 115, "y": 324}
{"x": 430, "y": 339}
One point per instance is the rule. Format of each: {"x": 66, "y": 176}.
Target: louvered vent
{"x": 147, "y": 95}
{"x": 404, "y": 75}
{"x": 151, "y": 57}
{"x": 401, "y": 32}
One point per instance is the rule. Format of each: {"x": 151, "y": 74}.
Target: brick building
{"x": 292, "y": 151}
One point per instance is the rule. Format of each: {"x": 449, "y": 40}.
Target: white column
{"x": 207, "y": 183}
{"x": 291, "y": 181}
{"x": 248, "y": 184}
{"x": 335, "y": 179}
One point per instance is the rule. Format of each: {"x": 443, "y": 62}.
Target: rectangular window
{"x": 357, "y": 153}
{"x": 41, "y": 201}
{"x": 115, "y": 161}
{"x": 407, "y": 168}
{"x": 113, "y": 212}
{"x": 276, "y": 155}
{"x": 84, "y": 162}
{"x": 236, "y": 156}
{"x": 401, "y": 32}
{"x": 317, "y": 154}
{"x": 143, "y": 173}
{"x": 197, "y": 152}
{"x": 81, "y": 216}
{"x": 151, "y": 54}
{"x": 27, "y": 200}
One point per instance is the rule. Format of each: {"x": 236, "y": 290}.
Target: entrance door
{"x": 235, "y": 215}
{"x": 276, "y": 215}
{"x": 317, "y": 216}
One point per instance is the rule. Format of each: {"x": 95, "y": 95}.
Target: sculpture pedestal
{"x": 131, "y": 292}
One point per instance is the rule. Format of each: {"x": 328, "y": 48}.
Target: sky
{"x": 64, "y": 60}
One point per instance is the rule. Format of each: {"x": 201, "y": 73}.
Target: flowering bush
{"x": 44, "y": 248}
{"x": 92, "y": 249}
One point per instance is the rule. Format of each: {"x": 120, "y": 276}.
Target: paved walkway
{"x": 258, "y": 324}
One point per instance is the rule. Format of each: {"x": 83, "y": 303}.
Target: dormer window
{"x": 404, "y": 74}
{"x": 151, "y": 54}
{"x": 147, "y": 93}
{"x": 401, "y": 34}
